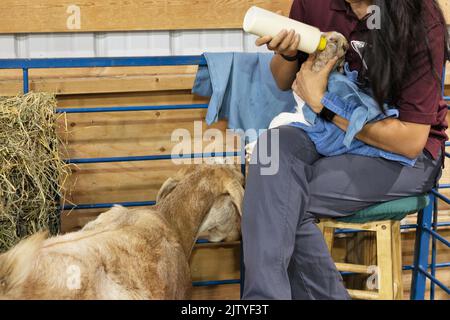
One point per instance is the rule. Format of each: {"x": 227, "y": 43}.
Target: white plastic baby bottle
{"x": 262, "y": 23}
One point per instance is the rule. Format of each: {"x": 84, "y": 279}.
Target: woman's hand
{"x": 285, "y": 43}
{"x": 311, "y": 86}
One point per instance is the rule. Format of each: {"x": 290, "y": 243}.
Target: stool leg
{"x": 397, "y": 265}
{"x": 385, "y": 258}
{"x": 422, "y": 251}
{"x": 328, "y": 234}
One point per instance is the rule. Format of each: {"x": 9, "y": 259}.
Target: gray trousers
{"x": 285, "y": 254}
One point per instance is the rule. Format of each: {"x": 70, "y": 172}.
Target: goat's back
{"x": 138, "y": 257}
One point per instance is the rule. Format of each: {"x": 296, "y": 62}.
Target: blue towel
{"x": 242, "y": 90}
{"x": 346, "y": 99}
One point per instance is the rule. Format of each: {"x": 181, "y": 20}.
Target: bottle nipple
{"x": 322, "y": 44}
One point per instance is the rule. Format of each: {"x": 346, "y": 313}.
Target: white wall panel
{"x": 150, "y": 43}
{"x": 133, "y": 44}
{"x": 83, "y": 45}
{"x": 186, "y": 43}
{"x": 7, "y": 47}
{"x": 249, "y": 44}
{"x": 218, "y": 41}
{"x": 22, "y": 46}
{"x": 61, "y": 45}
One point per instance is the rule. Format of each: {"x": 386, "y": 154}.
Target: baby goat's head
{"x": 223, "y": 221}
{"x": 337, "y": 45}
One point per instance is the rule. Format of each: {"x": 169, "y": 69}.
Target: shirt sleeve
{"x": 298, "y": 13}
{"x": 420, "y": 98}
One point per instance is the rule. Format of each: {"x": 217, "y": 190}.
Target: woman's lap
{"x": 341, "y": 185}
{"x": 344, "y": 184}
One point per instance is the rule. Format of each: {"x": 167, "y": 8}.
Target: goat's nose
{"x": 333, "y": 47}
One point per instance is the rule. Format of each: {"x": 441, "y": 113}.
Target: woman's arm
{"x": 284, "y": 72}
{"x": 392, "y": 135}
{"x": 285, "y": 43}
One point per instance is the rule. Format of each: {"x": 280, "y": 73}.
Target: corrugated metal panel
{"x": 125, "y": 44}
{"x": 61, "y": 45}
{"x": 7, "y": 45}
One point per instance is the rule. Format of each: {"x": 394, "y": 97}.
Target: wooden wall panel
{"x": 121, "y": 182}
{"x": 125, "y": 134}
{"x": 31, "y": 16}
{"x": 445, "y": 5}
{"x": 212, "y": 262}
{"x": 131, "y": 133}
{"x": 100, "y": 80}
{"x": 216, "y": 262}
{"x": 132, "y": 136}
{"x": 447, "y": 74}
{"x": 228, "y": 292}
{"x": 42, "y": 16}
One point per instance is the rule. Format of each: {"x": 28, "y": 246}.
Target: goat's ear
{"x": 166, "y": 188}
{"x": 236, "y": 192}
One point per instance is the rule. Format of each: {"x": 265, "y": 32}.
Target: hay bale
{"x": 31, "y": 169}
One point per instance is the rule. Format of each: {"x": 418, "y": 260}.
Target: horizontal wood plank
{"x": 100, "y": 80}
{"x": 215, "y": 262}
{"x": 118, "y": 182}
{"x": 138, "y": 134}
{"x": 129, "y": 99}
{"x": 226, "y": 292}
{"x": 31, "y": 16}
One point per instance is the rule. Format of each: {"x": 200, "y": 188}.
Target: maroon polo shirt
{"x": 421, "y": 98}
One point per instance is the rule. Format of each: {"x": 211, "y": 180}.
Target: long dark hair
{"x": 392, "y": 47}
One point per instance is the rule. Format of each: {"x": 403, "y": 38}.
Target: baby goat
{"x": 337, "y": 46}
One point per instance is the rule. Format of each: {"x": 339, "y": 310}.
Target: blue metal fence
{"x": 427, "y": 226}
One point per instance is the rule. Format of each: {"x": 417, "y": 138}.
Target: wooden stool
{"x": 384, "y": 220}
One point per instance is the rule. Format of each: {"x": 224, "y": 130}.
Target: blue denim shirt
{"x": 346, "y": 99}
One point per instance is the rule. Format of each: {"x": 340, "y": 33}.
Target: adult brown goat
{"x": 130, "y": 254}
